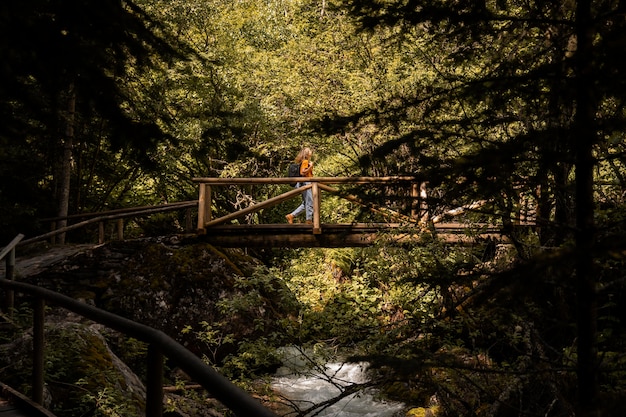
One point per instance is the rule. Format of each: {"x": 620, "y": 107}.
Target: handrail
{"x": 126, "y": 210}
{"x": 225, "y": 391}
{"x": 10, "y": 270}
{"x": 291, "y": 180}
{"x": 116, "y": 214}
{"x": 11, "y": 246}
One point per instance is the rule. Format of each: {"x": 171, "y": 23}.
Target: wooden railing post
{"x": 9, "y": 253}
{"x": 154, "y": 383}
{"x": 100, "y": 232}
{"x": 38, "y": 349}
{"x": 204, "y": 206}
{"x": 10, "y": 274}
{"x": 120, "y": 229}
{"x": 315, "y": 191}
{"x": 423, "y": 203}
{"x": 415, "y": 214}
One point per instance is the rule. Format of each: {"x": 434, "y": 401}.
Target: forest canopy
{"x": 121, "y": 103}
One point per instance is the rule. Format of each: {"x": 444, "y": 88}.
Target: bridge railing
{"x": 118, "y": 216}
{"x": 8, "y": 253}
{"x": 416, "y": 191}
{"x": 159, "y": 346}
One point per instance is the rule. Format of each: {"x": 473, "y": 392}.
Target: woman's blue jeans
{"x": 307, "y": 202}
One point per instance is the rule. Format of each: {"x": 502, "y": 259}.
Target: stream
{"x": 306, "y": 387}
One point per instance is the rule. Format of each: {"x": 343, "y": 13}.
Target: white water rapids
{"x": 307, "y": 387}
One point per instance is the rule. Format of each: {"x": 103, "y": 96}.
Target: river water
{"x": 306, "y": 386}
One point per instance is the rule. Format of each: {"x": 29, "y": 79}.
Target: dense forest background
{"x": 512, "y": 103}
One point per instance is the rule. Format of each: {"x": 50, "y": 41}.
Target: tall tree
{"x": 48, "y": 46}
{"x": 585, "y": 139}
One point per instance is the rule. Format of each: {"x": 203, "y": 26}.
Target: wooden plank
{"x": 348, "y": 227}
{"x": 325, "y": 240}
{"x": 333, "y": 235}
{"x": 171, "y": 206}
{"x": 290, "y": 180}
{"x": 308, "y": 240}
{"x": 156, "y": 209}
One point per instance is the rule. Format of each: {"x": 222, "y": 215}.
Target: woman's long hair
{"x": 305, "y": 153}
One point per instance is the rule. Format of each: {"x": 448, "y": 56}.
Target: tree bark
{"x": 584, "y": 139}
{"x": 66, "y": 164}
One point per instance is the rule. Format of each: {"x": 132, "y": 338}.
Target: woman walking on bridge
{"x": 306, "y": 170}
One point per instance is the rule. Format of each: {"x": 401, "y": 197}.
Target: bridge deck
{"x": 335, "y": 235}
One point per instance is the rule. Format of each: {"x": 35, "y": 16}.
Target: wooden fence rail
{"x": 316, "y": 184}
{"x": 118, "y": 216}
{"x": 9, "y": 253}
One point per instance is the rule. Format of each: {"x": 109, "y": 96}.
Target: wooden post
{"x": 414, "y": 201}
{"x": 423, "y": 203}
{"x": 9, "y": 253}
{"x": 204, "y": 207}
{"x": 518, "y": 206}
{"x": 207, "y": 205}
{"x": 10, "y": 274}
{"x": 38, "y": 350}
{"x": 100, "y": 232}
{"x": 154, "y": 383}
{"x": 315, "y": 191}
{"x": 120, "y": 229}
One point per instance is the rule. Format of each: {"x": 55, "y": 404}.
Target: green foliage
{"x": 212, "y": 339}
{"x": 481, "y": 100}
{"x": 351, "y": 297}
{"x": 131, "y": 351}
{"x": 105, "y": 403}
{"x": 258, "y": 312}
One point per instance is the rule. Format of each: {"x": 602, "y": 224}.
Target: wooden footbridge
{"x": 241, "y": 228}
{"x": 226, "y": 231}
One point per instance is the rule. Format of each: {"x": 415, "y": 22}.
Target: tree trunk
{"x": 66, "y": 164}
{"x": 584, "y": 139}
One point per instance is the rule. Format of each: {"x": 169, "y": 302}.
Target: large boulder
{"x": 82, "y": 373}
{"x": 182, "y": 289}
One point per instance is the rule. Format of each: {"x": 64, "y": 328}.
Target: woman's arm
{"x": 306, "y": 169}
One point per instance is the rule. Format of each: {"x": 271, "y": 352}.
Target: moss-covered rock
{"x": 82, "y": 374}
{"x": 177, "y": 288}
